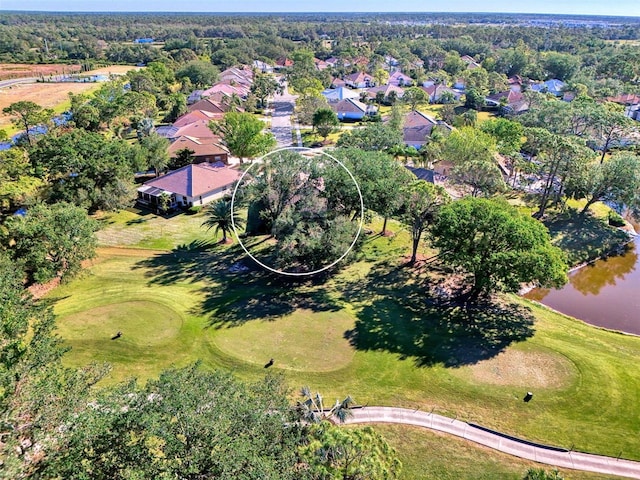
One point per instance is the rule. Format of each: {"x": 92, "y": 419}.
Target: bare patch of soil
{"x": 532, "y": 369}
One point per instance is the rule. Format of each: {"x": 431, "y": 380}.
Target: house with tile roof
{"x": 282, "y": 63}
{"x": 320, "y": 64}
{"x": 509, "y": 101}
{"x": 208, "y": 150}
{"x": 196, "y": 184}
{"x": 399, "y": 79}
{"x": 197, "y": 129}
{"x": 360, "y": 80}
{"x": 210, "y": 105}
{"x": 195, "y": 116}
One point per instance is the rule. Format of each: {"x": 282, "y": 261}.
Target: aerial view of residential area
{"x": 319, "y": 241}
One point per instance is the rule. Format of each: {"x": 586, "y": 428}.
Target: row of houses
{"x": 209, "y": 175}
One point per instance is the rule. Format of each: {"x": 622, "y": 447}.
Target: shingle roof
{"x": 199, "y": 146}
{"x": 198, "y": 129}
{"x": 415, "y": 119}
{"x": 349, "y": 105}
{"x": 194, "y": 180}
{"x": 196, "y": 115}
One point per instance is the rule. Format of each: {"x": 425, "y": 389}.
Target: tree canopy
{"x": 242, "y": 133}
{"x": 498, "y": 245}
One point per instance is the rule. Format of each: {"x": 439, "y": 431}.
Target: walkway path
{"x": 520, "y": 448}
{"x": 281, "y": 126}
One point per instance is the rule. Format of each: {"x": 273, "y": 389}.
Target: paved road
{"x": 15, "y": 81}
{"x": 281, "y": 125}
{"x": 520, "y": 448}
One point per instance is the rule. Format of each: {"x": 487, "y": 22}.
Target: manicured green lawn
{"x": 370, "y": 331}
{"x": 139, "y": 228}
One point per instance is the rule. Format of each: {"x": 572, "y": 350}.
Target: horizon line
{"x": 459, "y": 12}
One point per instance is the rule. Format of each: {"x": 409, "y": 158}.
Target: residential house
{"x": 627, "y": 99}
{"x": 320, "y": 64}
{"x": 336, "y": 94}
{"x": 417, "y": 128}
{"x": 509, "y": 101}
{"x": 631, "y": 103}
{"x": 283, "y": 63}
{"x": 262, "y": 67}
{"x": 237, "y": 76}
{"x": 196, "y": 184}
{"x": 207, "y": 150}
{"x": 333, "y": 62}
{"x": 360, "y": 80}
{"x": 352, "y": 109}
{"x": 210, "y": 105}
{"x": 337, "y": 83}
{"x": 470, "y": 61}
{"x": 362, "y": 62}
{"x": 399, "y": 79}
{"x": 386, "y": 90}
{"x": 197, "y": 129}
{"x": 553, "y": 86}
{"x": 196, "y": 115}
{"x": 515, "y": 83}
{"x": 227, "y": 89}
{"x": 438, "y": 93}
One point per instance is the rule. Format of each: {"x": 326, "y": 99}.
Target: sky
{"x": 582, "y": 7}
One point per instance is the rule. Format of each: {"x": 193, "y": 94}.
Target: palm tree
{"x": 312, "y": 407}
{"x": 219, "y": 217}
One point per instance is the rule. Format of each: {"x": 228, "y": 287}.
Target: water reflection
{"x": 604, "y": 293}
{"x": 591, "y": 279}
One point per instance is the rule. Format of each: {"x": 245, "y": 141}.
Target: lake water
{"x": 605, "y": 293}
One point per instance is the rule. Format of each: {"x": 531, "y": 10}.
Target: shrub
{"x": 194, "y": 209}
{"x": 615, "y": 220}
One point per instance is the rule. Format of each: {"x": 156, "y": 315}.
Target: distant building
{"x": 143, "y": 40}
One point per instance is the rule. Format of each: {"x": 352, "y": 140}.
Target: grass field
{"x": 47, "y": 95}
{"x": 370, "y": 331}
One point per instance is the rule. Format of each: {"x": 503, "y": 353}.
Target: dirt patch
{"x": 22, "y": 70}
{"x": 47, "y": 95}
{"x": 534, "y": 369}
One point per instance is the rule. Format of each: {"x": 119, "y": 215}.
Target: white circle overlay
{"x": 282, "y": 272}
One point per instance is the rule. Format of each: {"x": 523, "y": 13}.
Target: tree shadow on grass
{"x": 584, "y": 237}
{"x": 231, "y": 298}
{"x": 402, "y": 317}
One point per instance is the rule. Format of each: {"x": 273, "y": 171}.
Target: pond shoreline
{"x": 617, "y": 250}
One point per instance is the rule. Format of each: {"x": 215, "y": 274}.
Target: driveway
{"x": 281, "y": 125}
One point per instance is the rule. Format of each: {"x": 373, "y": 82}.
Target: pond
{"x": 605, "y": 293}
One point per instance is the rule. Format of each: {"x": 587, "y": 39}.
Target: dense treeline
{"x": 74, "y": 37}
